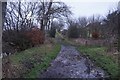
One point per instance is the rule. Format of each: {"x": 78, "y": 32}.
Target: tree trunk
{"x": 118, "y": 32}
{"x": 0, "y": 39}
{"x": 2, "y": 19}
{"x": 42, "y": 26}
{"x": 119, "y": 39}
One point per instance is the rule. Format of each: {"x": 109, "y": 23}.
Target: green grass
{"x": 25, "y": 54}
{"x": 46, "y": 61}
{"x": 46, "y": 53}
{"x": 100, "y": 58}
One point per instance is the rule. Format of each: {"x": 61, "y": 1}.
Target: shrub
{"x": 17, "y": 40}
{"x": 36, "y": 36}
{"x": 95, "y": 35}
{"x": 73, "y": 32}
{"x": 23, "y": 39}
{"x": 52, "y": 32}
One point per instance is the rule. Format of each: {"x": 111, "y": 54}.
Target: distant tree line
{"x": 95, "y": 27}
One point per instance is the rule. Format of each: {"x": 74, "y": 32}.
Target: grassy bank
{"x": 30, "y": 62}
{"x": 98, "y": 54}
{"x": 46, "y": 62}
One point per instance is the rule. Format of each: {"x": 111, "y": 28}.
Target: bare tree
{"x": 20, "y": 15}
{"x": 50, "y": 10}
{"x": 82, "y": 21}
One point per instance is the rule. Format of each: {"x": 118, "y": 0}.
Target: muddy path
{"x": 71, "y": 64}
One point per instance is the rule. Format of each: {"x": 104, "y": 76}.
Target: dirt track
{"x": 70, "y": 64}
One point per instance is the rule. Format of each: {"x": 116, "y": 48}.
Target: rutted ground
{"x": 70, "y": 64}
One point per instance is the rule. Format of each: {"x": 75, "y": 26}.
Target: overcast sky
{"x": 89, "y": 7}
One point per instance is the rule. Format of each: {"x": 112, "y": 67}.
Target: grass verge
{"x": 100, "y": 58}
{"x": 31, "y": 61}
{"x": 46, "y": 61}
